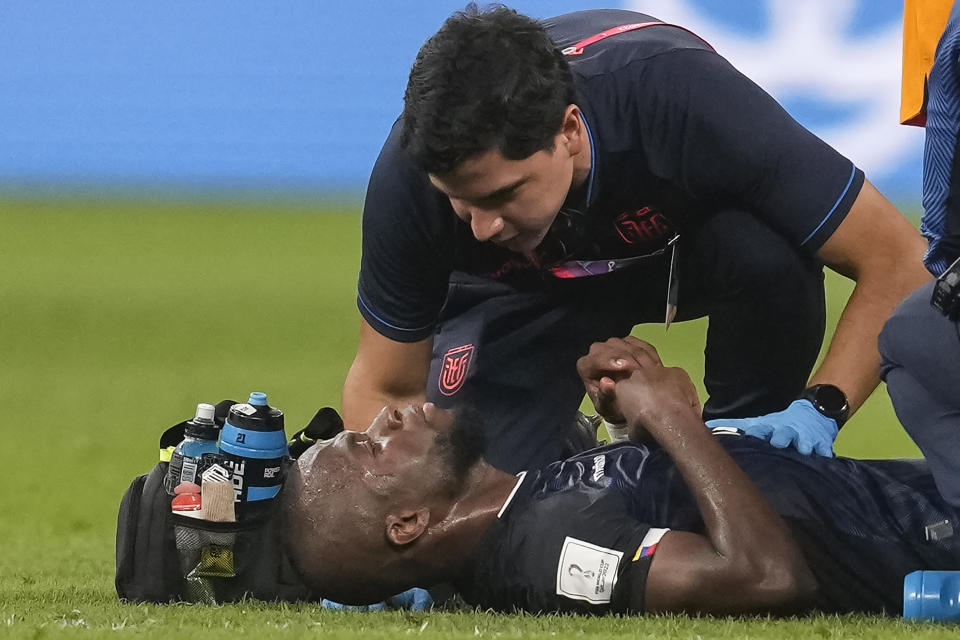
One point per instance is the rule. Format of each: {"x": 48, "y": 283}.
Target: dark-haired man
{"x": 702, "y": 523}
{"x": 554, "y": 183}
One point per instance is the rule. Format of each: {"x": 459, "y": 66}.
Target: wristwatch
{"x": 828, "y": 400}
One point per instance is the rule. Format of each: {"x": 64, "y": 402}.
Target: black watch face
{"x": 831, "y": 398}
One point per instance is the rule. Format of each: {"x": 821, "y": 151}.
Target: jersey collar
{"x": 520, "y": 477}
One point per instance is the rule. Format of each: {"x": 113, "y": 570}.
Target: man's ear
{"x": 406, "y": 526}
{"x": 570, "y": 129}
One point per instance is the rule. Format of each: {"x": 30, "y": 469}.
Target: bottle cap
{"x": 258, "y": 399}
{"x": 202, "y": 426}
{"x": 205, "y": 412}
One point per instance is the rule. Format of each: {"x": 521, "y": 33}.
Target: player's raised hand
{"x": 652, "y": 397}
{"x": 610, "y": 361}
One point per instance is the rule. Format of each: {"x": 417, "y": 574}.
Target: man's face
{"x": 511, "y": 203}
{"x": 402, "y": 451}
{"x": 340, "y": 499}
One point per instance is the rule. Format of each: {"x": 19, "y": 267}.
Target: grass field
{"x": 118, "y": 317}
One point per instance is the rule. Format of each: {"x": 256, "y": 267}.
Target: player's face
{"x": 399, "y": 445}
{"x": 511, "y": 203}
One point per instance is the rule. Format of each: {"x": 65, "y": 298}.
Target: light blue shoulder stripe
{"x": 843, "y": 194}
{"x": 363, "y": 304}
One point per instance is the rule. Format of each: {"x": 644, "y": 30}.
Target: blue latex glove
{"x": 800, "y": 425}
{"x": 415, "y": 599}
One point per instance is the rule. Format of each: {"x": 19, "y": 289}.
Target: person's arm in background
{"x": 383, "y": 372}
{"x": 747, "y": 560}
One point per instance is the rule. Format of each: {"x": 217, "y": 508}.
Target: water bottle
{"x": 932, "y": 595}
{"x": 253, "y": 445}
{"x": 201, "y": 435}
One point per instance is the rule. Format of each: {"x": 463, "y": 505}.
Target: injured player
{"x": 680, "y": 519}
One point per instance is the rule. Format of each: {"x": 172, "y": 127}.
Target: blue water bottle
{"x": 932, "y": 595}
{"x": 254, "y": 444}
{"x": 200, "y": 437}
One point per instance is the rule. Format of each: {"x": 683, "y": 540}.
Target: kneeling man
{"x": 681, "y": 519}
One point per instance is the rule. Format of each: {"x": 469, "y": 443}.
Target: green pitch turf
{"x": 117, "y": 317}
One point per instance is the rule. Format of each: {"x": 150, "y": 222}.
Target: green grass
{"x": 117, "y": 317}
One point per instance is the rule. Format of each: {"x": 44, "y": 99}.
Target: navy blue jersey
{"x": 580, "y": 535}
{"x": 676, "y": 134}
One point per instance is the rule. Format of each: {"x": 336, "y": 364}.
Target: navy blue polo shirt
{"x": 676, "y": 134}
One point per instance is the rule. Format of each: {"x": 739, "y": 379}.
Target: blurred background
{"x": 180, "y": 189}
{"x": 295, "y": 98}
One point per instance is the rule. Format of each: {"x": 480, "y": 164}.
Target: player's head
{"x": 489, "y": 113}
{"x": 361, "y": 506}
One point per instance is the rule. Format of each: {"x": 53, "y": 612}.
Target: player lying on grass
{"x": 679, "y": 519}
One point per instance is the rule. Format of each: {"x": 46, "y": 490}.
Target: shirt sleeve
{"x": 716, "y": 135}
{"x": 406, "y": 248}
{"x": 630, "y": 596}
{"x": 587, "y": 563}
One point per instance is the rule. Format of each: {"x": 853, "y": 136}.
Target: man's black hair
{"x": 488, "y": 79}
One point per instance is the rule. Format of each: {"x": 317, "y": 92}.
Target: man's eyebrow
{"x": 498, "y": 193}
{"x": 504, "y": 190}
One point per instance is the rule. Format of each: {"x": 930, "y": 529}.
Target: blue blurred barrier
{"x": 300, "y": 95}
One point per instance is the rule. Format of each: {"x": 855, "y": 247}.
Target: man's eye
{"x": 496, "y": 200}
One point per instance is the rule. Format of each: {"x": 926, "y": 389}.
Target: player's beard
{"x": 461, "y": 446}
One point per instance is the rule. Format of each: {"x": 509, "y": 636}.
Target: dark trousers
{"x": 921, "y": 366}
{"x": 764, "y": 300}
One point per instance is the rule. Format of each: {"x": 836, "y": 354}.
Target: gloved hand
{"x": 799, "y": 425}
{"x": 415, "y": 599}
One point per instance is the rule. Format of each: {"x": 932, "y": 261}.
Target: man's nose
{"x": 485, "y": 224}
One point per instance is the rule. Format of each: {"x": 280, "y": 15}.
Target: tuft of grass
{"x": 119, "y": 316}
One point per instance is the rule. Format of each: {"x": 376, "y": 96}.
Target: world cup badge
{"x": 456, "y": 363}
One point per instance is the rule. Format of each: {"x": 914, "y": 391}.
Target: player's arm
{"x": 882, "y": 252}
{"x": 383, "y": 372}
{"x": 747, "y": 560}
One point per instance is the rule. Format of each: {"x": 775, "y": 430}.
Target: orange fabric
{"x": 923, "y": 22}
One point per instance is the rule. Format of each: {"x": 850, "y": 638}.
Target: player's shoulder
{"x": 610, "y": 49}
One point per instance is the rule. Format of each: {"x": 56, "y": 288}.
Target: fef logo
{"x": 456, "y": 363}
{"x": 643, "y": 225}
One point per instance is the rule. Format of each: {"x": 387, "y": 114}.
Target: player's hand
{"x": 627, "y": 381}
{"x": 610, "y": 361}
{"x": 800, "y": 426}
{"x": 653, "y": 396}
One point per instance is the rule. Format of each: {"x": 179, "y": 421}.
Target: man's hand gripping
{"x": 630, "y": 387}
